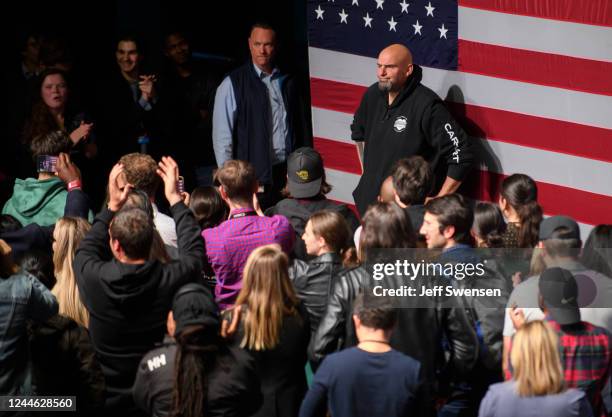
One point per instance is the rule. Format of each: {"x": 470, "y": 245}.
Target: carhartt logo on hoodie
{"x": 400, "y": 124}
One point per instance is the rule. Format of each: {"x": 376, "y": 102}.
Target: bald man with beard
{"x": 399, "y": 117}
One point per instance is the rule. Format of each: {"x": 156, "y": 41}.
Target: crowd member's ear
{"x": 170, "y": 324}
{"x": 222, "y": 192}
{"x": 448, "y": 232}
{"x": 356, "y": 321}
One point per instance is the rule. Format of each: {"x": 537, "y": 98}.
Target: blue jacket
{"x": 22, "y": 297}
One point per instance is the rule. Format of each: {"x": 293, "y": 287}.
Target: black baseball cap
{"x": 550, "y": 224}
{"x": 304, "y": 173}
{"x": 559, "y": 292}
{"x": 194, "y": 304}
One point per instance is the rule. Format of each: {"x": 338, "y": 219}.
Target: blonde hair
{"x": 536, "y": 264}
{"x": 535, "y": 361}
{"x": 69, "y": 231}
{"x": 266, "y": 296}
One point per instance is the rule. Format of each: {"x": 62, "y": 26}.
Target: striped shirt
{"x": 229, "y": 245}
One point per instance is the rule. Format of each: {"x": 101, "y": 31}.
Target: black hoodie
{"x": 416, "y": 123}
{"x": 128, "y": 304}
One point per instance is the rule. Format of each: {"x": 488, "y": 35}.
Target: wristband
{"x": 74, "y": 184}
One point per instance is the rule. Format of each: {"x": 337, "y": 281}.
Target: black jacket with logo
{"x": 128, "y": 303}
{"x": 416, "y": 123}
{"x": 233, "y": 386}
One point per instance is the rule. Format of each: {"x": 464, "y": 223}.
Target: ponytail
{"x": 332, "y": 227}
{"x": 350, "y": 259}
{"x": 195, "y": 355}
{"x": 521, "y": 193}
{"x": 530, "y": 217}
{"x": 489, "y": 224}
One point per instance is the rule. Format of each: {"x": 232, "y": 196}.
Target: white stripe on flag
{"x": 329, "y": 124}
{"x": 519, "y": 97}
{"x": 552, "y": 167}
{"x": 536, "y": 34}
{"x": 343, "y": 184}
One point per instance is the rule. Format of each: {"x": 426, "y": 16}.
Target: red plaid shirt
{"x": 586, "y": 357}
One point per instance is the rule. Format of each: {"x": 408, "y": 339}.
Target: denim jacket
{"x": 22, "y": 297}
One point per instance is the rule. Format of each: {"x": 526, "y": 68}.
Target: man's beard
{"x": 385, "y": 86}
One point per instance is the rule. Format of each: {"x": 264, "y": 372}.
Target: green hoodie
{"x": 37, "y": 201}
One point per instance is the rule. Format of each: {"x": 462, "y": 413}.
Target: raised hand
{"x": 81, "y": 132}
{"x": 147, "y": 86}
{"x": 66, "y": 170}
{"x": 517, "y": 316}
{"x": 116, "y": 195}
{"x": 169, "y": 172}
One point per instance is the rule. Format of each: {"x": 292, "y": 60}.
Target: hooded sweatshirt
{"x": 416, "y": 123}
{"x": 128, "y": 303}
{"x": 37, "y": 201}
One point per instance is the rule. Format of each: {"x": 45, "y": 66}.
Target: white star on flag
{"x": 319, "y": 12}
{"x": 379, "y": 4}
{"x": 343, "y": 17}
{"x": 430, "y": 10}
{"x": 392, "y": 23}
{"x": 417, "y": 28}
{"x": 355, "y": 2}
{"x": 368, "y": 20}
{"x": 404, "y": 6}
{"x": 443, "y": 31}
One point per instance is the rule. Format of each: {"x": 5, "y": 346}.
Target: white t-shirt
{"x": 594, "y": 292}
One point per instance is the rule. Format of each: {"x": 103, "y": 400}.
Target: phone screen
{"x": 47, "y": 163}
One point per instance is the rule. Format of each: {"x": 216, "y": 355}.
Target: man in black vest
{"x": 258, "y": 116}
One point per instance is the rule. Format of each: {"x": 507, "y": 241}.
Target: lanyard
{"x": 243, "y": 214}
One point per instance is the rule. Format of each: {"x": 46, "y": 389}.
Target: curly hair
{"x": 141, "y": 171}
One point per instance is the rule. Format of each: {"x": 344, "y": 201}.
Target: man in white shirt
{"x": 141, "y": 171}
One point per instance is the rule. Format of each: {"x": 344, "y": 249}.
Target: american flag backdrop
{"x": 529, "y": 80}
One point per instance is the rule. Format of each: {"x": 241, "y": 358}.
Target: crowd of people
{"x": 250, "y": 294}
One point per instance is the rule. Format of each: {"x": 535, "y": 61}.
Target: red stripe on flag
{"x": 504, "y": 126}
{"x": 591, "y": 12}
{"x": 582, "y": 206}
{"x": 534, "y": 132}
{"x": 536, "y": 67}
{"x": 338, "y": 155}
{"x": 332, "y": 95}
